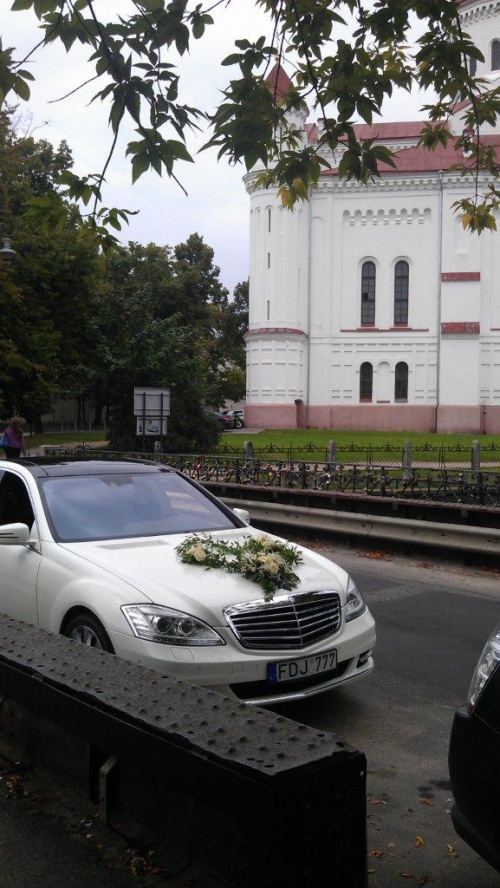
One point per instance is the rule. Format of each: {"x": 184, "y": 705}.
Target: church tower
{"x": 277, "y": 340}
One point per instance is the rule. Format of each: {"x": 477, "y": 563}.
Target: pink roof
{"x": 420, "y": 159}
{"x": 312, "y": 132}
{"x": 402, "y": 129}
{"x": 399, "y": 129}
{"x": 279, "y": 82}
{"x": 259, "y": 331}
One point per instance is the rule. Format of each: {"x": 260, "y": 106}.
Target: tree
{"x": 348, "y": 56}
{"x": 44, "y": 298}
{"x": 167, "y": 296}
{"x": 76, "y": 324}
{"x": 227, "y": 358}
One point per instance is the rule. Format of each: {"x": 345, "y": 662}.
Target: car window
{"x": 91, "y": 507}
{"x": 15, "y": 503}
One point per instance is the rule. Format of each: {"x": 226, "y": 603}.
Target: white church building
{"x": 370, "y": 306}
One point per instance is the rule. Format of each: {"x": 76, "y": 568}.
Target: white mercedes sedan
{"x": 135, "y": 558}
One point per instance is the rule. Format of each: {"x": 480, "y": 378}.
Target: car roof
{"x": 53, "y": 467}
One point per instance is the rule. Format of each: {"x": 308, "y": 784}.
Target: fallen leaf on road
{"x": 375, "y": 853}
{"x": 377, "y": 555}
{"x": 406, "y": 875}
{"x": 419, "y": 841}
{"x": 427, "y": 801}
{"x": 424, "y": 880}
{"x": 451, "y": 851}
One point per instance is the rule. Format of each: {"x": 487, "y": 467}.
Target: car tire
{"x": 86, "y": 629}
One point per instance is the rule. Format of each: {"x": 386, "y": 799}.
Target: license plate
{"x": 288, "y": 670}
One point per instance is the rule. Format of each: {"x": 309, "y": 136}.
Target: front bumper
{"x": 474, "y": 765}
{"x": 242, "y": 674}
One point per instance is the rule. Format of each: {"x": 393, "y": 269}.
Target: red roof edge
{"x": 276, "y": 331}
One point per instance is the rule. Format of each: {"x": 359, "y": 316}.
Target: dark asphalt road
{"x": 432, "y": 622}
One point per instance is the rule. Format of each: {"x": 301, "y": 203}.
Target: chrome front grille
{"x": 287, "y": 622}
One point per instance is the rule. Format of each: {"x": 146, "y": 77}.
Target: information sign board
{"x": 152, "y": 426}
{"x": 152, "y": 402}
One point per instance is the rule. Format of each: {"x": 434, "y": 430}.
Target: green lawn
{"x": 312, "y": 444}
{"x": 64, "y": 438}
{"x": 300, "y": 438}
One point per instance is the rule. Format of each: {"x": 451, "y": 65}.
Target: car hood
{"x": 151, "y": 567}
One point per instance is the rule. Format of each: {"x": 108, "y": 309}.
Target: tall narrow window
{"x": 472, "y": 67}
{"x": 401, "y": 282}
{"x": 365, "y": 381}
{"x": 368, "y": 276}
{"x": 401, "y": 382}
{"x": 269, "y": 218}
{"x": 495, "y": 55}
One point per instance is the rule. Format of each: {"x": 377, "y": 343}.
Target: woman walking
{"x": 14, "y": 438}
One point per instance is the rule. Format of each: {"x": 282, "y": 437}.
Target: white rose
{"x": 272, "y": 567}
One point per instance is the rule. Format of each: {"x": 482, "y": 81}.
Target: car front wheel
{"x": 86, "y": 629}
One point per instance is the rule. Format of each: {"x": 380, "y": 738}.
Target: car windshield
{"x": 113, "y": 506}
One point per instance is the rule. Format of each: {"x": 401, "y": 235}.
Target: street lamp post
{"x": 6, "y": 252}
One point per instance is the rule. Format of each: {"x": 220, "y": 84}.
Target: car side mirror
{"x": 243, "y": 514}
{"x": 14, "y": 534}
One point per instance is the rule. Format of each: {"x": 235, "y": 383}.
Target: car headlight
{"x": 485, "y": 667}
{"x": 355, "y": 606}
{"x": 167, "y": 626}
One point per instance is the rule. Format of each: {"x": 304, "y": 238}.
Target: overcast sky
{"x": 217, "y": 205}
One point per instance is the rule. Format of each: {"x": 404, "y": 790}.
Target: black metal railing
{"x": 432, "y": 483}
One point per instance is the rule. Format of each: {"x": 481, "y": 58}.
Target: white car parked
{"x": 90, "y": 549}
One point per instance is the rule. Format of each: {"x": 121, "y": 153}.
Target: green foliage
{"x": 81, "y": 324}
{"x": 346, "y": 59}
{"x": 44, "y": 297}
{"x": 168, "y": 297}
{"x": 227, "y": 352}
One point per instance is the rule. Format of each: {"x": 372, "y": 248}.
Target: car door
{"x": 18, "y": 564}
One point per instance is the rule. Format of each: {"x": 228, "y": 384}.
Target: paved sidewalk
{"x": 51, "y": 838}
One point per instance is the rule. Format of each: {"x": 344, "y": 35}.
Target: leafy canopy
{"x": 43, "y": 299}
{"x": 346, "y": 57}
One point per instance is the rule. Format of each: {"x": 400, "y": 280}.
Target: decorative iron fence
{"x": 428, "y": 454}
{"x": 432, "y": 482}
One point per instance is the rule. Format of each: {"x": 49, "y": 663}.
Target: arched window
{"x": 401, "y": 382}
{"x": 368, "y": 276}
{"x": 495, "y": 55}
{"x": 365, "y": 381}
{"x": 401, "y": 282}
